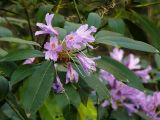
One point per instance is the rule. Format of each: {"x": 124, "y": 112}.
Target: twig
{"x": 97, "y": 103}
{"x": 75, "y": 5}
{"x": 58, "y": 6}
{"x": 13, "y": 108}
{"x": 29, "y": 23}
{"x": 2, "y": 9}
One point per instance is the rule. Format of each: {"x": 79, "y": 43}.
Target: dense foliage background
{"x": 26, "y": 90}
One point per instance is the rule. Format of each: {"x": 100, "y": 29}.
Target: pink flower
{"x": 85, "y": 33}
{"x": 132, "y": 62}
{"x": 29, "y": 61}
{"x": 87, "y": 64}
{"x": 72, "y": 75}
{"x": 47, "y": 29}
{"x": 58, "y": 86}
{"x": 73, "y": 41}
{"x": 52, "y": 49}
{"x": 82, "y": 37}
{"x": 144, "y": 74}
{"x": 117, "y": 54}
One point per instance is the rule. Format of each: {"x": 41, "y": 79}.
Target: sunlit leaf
{"x": 50, "y": 110}
{"x": 87, "y": 112}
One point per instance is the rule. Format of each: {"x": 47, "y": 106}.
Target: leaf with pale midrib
{"x": 120, "y": 72}
{"x": 38, "y": 87}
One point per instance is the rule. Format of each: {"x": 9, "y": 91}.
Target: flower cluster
{"x": 58, "y": 50}
{"x": 133, "y": 63}
{"x": 128, "y": 97}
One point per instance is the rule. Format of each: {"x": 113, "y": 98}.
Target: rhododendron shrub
{"x": 88, "y": 70}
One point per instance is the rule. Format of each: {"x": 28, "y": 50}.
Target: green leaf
{"x": 126, "y": 43}
{"x": 9, "y": 113}
{"x": 104, "y": 33}
{"x": 62, "y": 33}
{"x": 17, "y": 40}
{"x": 21, "y": 73}
{"x": 7, "y": 68}
{"x": 157, "y": 59}
{"x": 120, "y": 72}
{"x": 71, "y": 96}
{"x": 38, "y": 87}
{"x": 42, "y": 11}
{"x": 4, "y": 87}
{"x": 149, "y": 28}
{"x": 15, "y": 21}
{"x": 94, "y": 20}
{"x": 3, "y": 52}
{"x": 50, "y": 110}
{"x": 58, "y": 20}
{"x": 142, "y": 115}
{"x": 21, "y": 55}
{"x": 5, "y": 32}
{"x": 116, "y": 25}
{"x": 121, "y": 114}
{"x": 88, "y": 112}
{"x": 69, "y": 27}
{"x": 94, "y": 82}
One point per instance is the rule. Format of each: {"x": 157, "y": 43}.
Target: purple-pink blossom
{"x": 73, "y": 41}
{"x": 87, "y": 64}
{"x": 72, "y": 75}
{"x": 81, "y": 37}
{"x": 133, "y": 63}
{"x": 85, "y": 32}
{"x": 47, "y": 28}
{"x": 117, "y": 54}
{"x": 29, "y": 61}
{"x": 52, "y": 49}
{"x": 144, "y": 74}
{"x": 58, "y": 86}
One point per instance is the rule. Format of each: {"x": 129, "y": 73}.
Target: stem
{"x": 29, "y": 23}
{"x": 58, "y": 6}
{"x": 16, "y": 111}
{"x": 97, "y": 102}
{"x": 5, "y": 10}
{"x": 75, "y": 5}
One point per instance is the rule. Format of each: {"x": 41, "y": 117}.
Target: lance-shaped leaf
{"x": 50, "y": 110}
{"x": 18, "y": 40}
{"x": 38, "y": 87}
{"x": 4, "y": 87}
{"x": 94, "y": 83}
{"x": 70, "y": 27}
{"x": 116, "y": 25}
{"x": 126, "y": 43}
{"x": 22, "y": 72}
{"x": 21, "y": 55}
{"x": 149, "y": 28}
{"x": 3, "y": 52}
{"x": 120, "y": 72}
{"x": 104, "y": 33}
